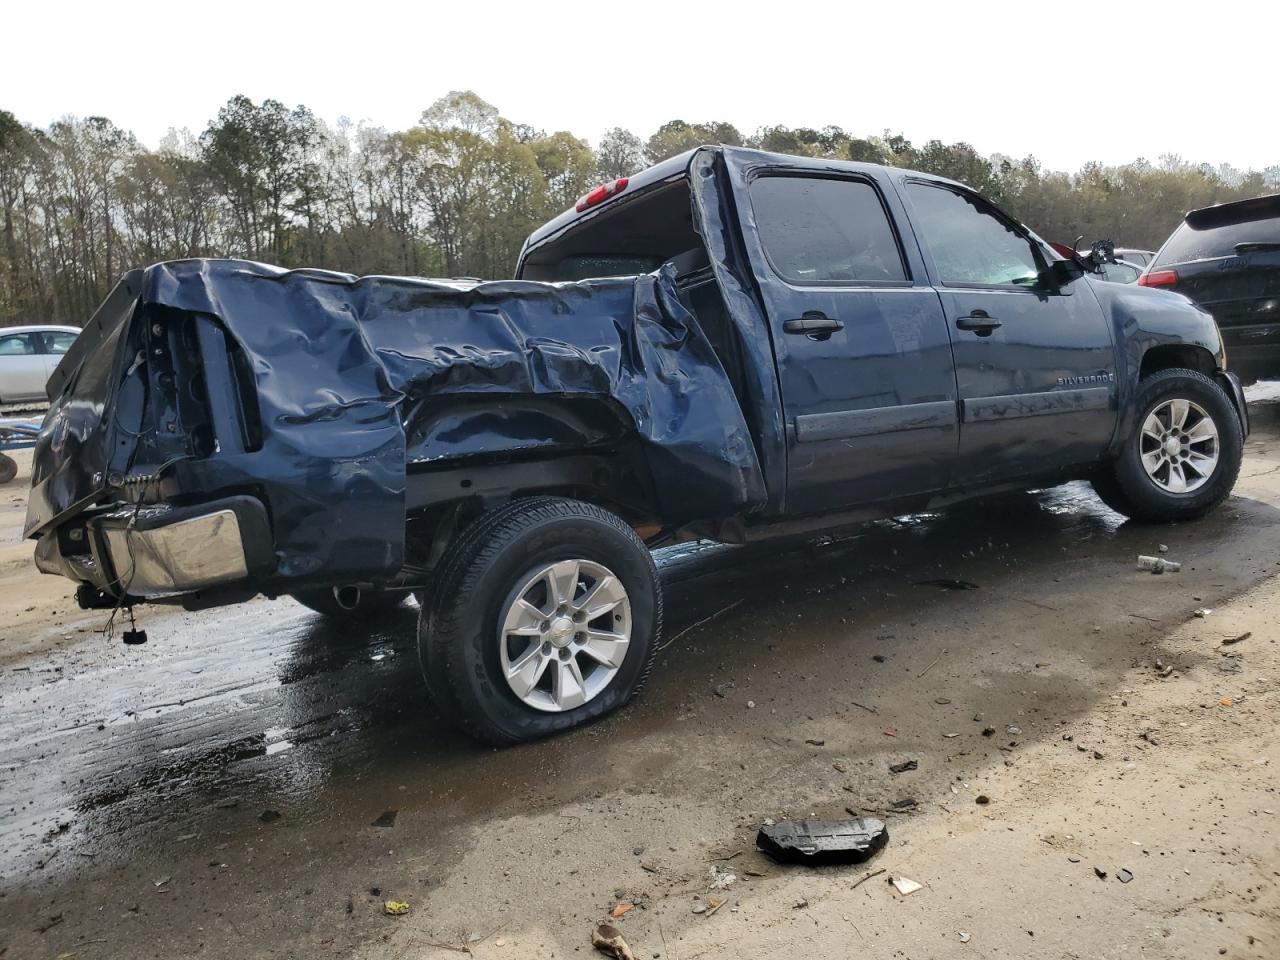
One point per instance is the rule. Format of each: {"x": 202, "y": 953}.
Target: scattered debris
{"x": 931, "y": 665}
{"x": 162, "y": 881}
{"x": 1157, "y": 564}
{"x": 385, "y": 819}
{"x": 982, "y": 799}
{"x": 718, "y": 878}
{"x": 395, "y": 908}
{"x": 1227, "y": 641}
{"x": 839, "y": 767}
{"x": 816, "y": 743}
{"x": 942, "y": 701}
{"x": 622, "y": 909}
{"x": 49, "y": 924}
{"x": 865, "y": 877}
{"x": 889, "y": 733}
{"x": 608, "y": 939}
{"x": 988, "y": 731}
{"x": 1100, "y": 874}
{"x": 1124, "y": 876}
{"x": 1163, "y": 548}
{"x": 1227, "y": 702}
{"x": 1097, "y": 755}
{"x": 904, "y": 766}
{"x": 823, "y": 841}
{"x": 964, "y": 937}
{"x": 800, "y": 904}
{"x": 863, "y": 706}
{"x": 1203, "y": 611}
{"x": 699, "y": 907}
{"x": 906, "y": 803}
{"x": 751, "y": 704}
{"x": 1013, "y": 731}
{"x": 905, "y": 886}
{"x": 1163, "y": 670}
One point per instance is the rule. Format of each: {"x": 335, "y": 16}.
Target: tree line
{"x": 83, "y": 200}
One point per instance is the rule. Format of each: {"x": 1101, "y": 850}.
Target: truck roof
{"x": 677, "y": 167}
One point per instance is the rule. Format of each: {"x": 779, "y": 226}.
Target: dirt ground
{"x": 226, "y": 789}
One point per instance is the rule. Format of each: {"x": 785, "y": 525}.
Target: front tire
{"x": 545, "y": 615}
{"x": 1183, "y": 455}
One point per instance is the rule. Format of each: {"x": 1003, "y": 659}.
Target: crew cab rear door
{"x": 864, "y": 363}
{"x": 1035, "y": 366}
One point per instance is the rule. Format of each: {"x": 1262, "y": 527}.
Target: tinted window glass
{"x": 1188, "y": 243}
{"x": 969, "y": 242}
{"x": 58, "y": 342}
{"x": 13, "y": 346}
{"x": 825, "y": 230}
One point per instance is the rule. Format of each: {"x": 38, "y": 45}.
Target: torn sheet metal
{"x": 346, "y": 371}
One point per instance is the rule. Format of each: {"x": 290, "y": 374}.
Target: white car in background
{"x": 28, "y": 356}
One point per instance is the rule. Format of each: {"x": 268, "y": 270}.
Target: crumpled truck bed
{"x": 343, "y": 368}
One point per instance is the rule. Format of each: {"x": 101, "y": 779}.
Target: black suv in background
{"x": 1227, "y": 259}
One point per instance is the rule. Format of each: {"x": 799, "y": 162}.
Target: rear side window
{"x": 16, "y": 345}
{"x": 970, "y": 242}
{"x": 825, "y": 231}
{"x": 1217, "y": 240}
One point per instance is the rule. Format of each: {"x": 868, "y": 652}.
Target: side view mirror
{"x": 1063, "y": 272}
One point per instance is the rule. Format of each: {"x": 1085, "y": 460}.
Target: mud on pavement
{"x": 255, "y": 782}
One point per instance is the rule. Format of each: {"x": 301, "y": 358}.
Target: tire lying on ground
{"x": 545, "y": 614}
{"x": 1183, "y": 454}
{"x": 349, "y": 602}
{"x": 8, "y": 468}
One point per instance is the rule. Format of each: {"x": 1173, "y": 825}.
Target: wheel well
{"x": 1179, "y": 355}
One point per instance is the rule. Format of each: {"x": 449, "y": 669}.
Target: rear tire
{"x": 350, "y": 602}
{"x": 1183, "y": 455}
{"x": 545, "y": 615}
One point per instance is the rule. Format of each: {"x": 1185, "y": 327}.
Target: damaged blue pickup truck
{"x": 729, "y": 345}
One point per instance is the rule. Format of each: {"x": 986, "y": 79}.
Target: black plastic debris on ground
{"x": 903, "y": 767}
{"x": 823, "y": 841}
{"x": 385, "y": 819}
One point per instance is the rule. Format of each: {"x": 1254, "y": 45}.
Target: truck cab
{"x": 923, "y": 344}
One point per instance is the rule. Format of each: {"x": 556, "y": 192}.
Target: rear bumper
{"x": 1253, "y": 351}
{"x": 162, "y": 551}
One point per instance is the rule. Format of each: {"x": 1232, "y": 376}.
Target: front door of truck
{"x": 868, "y": 389}
{"x": 1035, "y": 366}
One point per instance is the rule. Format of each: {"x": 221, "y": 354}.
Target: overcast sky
{"x": 1117, "y": 81}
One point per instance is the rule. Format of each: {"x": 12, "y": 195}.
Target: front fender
{"x": 1146, "y": 319}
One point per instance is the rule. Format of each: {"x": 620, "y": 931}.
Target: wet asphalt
{"x": 227, "y": 716}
